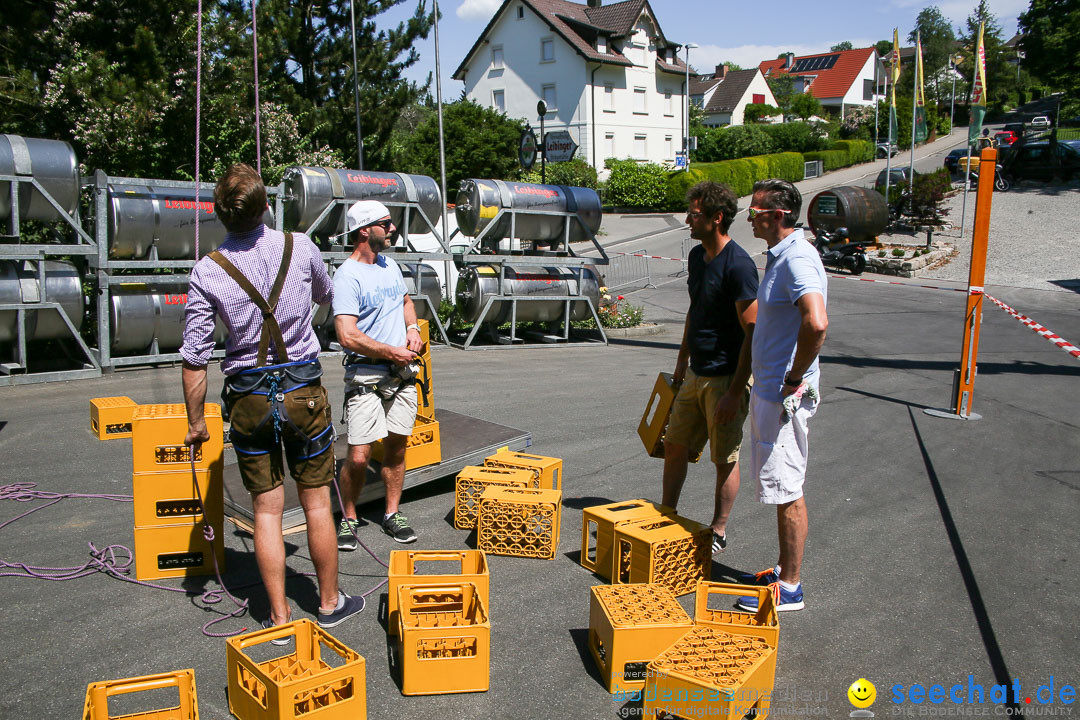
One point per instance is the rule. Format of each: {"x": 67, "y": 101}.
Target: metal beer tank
{"x": 478, "y": 201}
{"x": 139, "y": 316}
{"x": 308, "y": 190}
{"x": 477, "y": 283}
{"x": 141, "y": 216}
{"x": 52, "y": 163}
{"x": 19, "y": 283}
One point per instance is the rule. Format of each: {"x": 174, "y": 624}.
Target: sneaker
{"x": 397, "y": 527}
{"x": 281, "y": 641}
{"x": 346, "y": 540}
{"x": 350, "y": 607}
{"x": 765, "y": 577}
{"x": 719, "y": 543}
{"x": 784, "y": 599}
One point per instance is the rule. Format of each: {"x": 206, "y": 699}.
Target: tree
{"x": 804, "y": 105}
{"x": 1051, "y": 46}
{"x": 841, "y": 46}
{"x": 783, "y": 89}
{"x": 883, "y": 47}
{"x": 938, "y": 44}
{"x": 1000, "y": 77}
{"x": 485, "y": 145}
{"x": 757, "y": 112}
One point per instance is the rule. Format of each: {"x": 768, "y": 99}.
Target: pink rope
{"x": 258, "y": 108}
{"x": 198, "y": 117}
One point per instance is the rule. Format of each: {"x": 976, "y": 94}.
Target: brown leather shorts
{"x": 260, "y": 461}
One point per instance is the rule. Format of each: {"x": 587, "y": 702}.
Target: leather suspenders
{"x": 270, "y": 327}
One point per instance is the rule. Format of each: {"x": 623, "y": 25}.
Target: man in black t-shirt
{"x": 714, "y": 395}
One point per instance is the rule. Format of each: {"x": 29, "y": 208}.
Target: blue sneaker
{"x": 349, "y": 607}
{"x": 783, "y": 599}
{"x": 765, "y": 577}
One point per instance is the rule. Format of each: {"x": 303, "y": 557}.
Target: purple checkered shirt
{"x": 256, "y": 254}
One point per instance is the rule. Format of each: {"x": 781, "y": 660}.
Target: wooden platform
{"x": 466, "y": 440}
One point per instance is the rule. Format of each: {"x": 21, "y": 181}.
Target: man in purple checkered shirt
{"x": 261, "y": 283}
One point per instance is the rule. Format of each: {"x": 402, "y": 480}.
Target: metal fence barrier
{"x": 626, "y": 270}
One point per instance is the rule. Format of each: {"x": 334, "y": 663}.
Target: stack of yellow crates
{"x": 601, "y": 521}
{"x": 444, "y": 639}
{"x": 169, "y": 539}
{"x": 423, "y": 447}
{"x": 471, "y": 483}
{"x": 666, "y": 549}
{"x": 547, "y": 471}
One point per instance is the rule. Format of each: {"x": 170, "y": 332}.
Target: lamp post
{"x": 686, "y": 108}
{"x": 356, "y": 91}
{"x": 954, "y": 60}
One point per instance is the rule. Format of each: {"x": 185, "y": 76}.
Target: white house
{"x": 837, "y": 79}
{"x": 606, "y": 72}
{"x": 724, "y": 95}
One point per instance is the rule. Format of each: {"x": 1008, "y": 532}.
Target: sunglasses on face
{"x": 753, "y": 212}
{"x": 384, "y": 224}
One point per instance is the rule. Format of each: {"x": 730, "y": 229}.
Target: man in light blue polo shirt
{"x": 791, "y": 324}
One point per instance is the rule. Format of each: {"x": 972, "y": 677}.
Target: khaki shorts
{"x": 309, "y": 409}
{"x": 372, "y": 418}
{"x": 779, "y": 450}
{"x": 691, "y": 423}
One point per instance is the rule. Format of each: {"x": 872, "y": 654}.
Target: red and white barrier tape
{"x": 1024, "y": 319}
{"x": 651, "y": 257}
{"x": 1038, "y": 329}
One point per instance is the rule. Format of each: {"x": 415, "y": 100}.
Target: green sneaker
{"x": 346, "y": 540}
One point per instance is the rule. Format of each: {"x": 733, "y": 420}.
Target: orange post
{"x": 976, "y": 276}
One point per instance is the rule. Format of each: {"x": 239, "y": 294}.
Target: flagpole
{"x": 967, "y": 168}
{"x": 876, "y": 88}
{"x": 914, "y": 110}
{"x": 893, "y": 65}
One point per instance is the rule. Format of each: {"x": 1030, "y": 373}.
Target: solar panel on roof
{"x": 822, "y": 62}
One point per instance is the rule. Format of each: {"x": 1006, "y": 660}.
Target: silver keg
{"x": 140, "y": 315}
{"x": 19, "y": 283}
{"x": 309, "y": 190}
{"x": 141, "y": 216}
{"x": 479, "y": 201}
{"x": 52, "y": 163}
{"x": 477, "y": 283}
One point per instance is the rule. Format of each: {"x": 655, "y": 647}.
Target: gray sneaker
{"x": 281, "y": 641}
{"x": 349, "y": 607}
{"x": 397, "y": 527}
{"x": 346, "y": 540}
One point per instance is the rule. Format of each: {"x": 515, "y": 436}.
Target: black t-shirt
{"x": 714, "y": 335}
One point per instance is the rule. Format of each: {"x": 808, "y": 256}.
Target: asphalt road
{"x": 938, "y": 549}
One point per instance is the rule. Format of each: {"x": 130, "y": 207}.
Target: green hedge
{"x": 843, "y": 154}
{"x": 635, "y": 185}
{"x": 740, "y": 174}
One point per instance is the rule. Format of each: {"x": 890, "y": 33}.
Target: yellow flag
{"x": 978, "y": 91}
{"x": 919, "y": 131}
{"x": 894, "y": 63}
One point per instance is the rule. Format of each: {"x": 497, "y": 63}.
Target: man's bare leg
{"x": 322, "y": 542}
{"x": 727, "y": 488}
{"x": 791, "y": 523}
{"x": 353, "y": 475}
{"x": 393, "y": 470}
{"x": 270, "y": 549}
{"x": 676, "y": 460}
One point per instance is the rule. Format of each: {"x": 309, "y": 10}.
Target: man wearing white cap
{"x": 376, "y": 324}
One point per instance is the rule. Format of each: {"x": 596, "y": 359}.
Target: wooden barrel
{"x": 861, "y": 210}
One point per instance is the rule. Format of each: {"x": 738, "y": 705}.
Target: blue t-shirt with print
{"x": 375, "y": 294}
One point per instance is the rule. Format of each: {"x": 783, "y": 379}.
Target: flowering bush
{"x": 614, "y": 313}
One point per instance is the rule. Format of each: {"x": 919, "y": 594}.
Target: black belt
{"x": 361, "y": 360}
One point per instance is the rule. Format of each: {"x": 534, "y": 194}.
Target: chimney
{"x": 594, "y": 3}
{"x": 721, "y": 71}
{"x": 789, "y": 60}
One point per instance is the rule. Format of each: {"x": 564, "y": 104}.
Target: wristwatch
{"x": 414, "y": 326}
{"x": 789, "y": 381}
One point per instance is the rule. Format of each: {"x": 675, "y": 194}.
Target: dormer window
{"x": 601, "y": 44}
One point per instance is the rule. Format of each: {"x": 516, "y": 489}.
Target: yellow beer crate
{"x": 444, "y": 639}
{"x": 168, "y": 551}
{"x": 629, "y": 625}
{"x": 157, "y": 439}
{"x": 471, "y": 483}
{"x": 110, "y": 417}
{"x": 710, "y": 673}
{"x": 547, "y": 470}
{"x": 167, "y": 498}
{"x": 96, "y": 706}
{"x": 669, "y": 549}
{"x": 450, "y": 566}
{"x": 654, "y": 421}
{"x": 299, "y": 684}
{"x": 763, "y": 624}
{"x": 600, "y": 521}
{"x": 423, "y": 447}
{"x": 522, "y": 522}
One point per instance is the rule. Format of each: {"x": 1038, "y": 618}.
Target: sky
{"x": 739, "y": 32}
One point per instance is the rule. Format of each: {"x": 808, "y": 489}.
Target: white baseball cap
{"x": 364, "y": 213}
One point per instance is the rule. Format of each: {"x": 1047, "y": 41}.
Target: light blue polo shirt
{"x": 793, "y": 269}
{"x": 375, "y": 294}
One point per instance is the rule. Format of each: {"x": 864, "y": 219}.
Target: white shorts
{"x": 778, "y": 450}
{"x": 371, "y": 418}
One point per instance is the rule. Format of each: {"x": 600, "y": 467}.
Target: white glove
{"x": 792, "y": 401}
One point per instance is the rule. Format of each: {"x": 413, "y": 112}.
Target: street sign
{"x": 680, "y": 160}
{"x": 559, "y": 146}
{"x": 527, "y": 149}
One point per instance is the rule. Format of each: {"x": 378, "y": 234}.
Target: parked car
{"x": 1041, "y": 122}
{"x": 1017, "y": 128}
{"x": 883, "y": 148}
{"x": 1038, "y": 161}
{"x": 897, "y": 176}
{"x": 1005, "y": 138}
{"x": 953, "y": 158}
